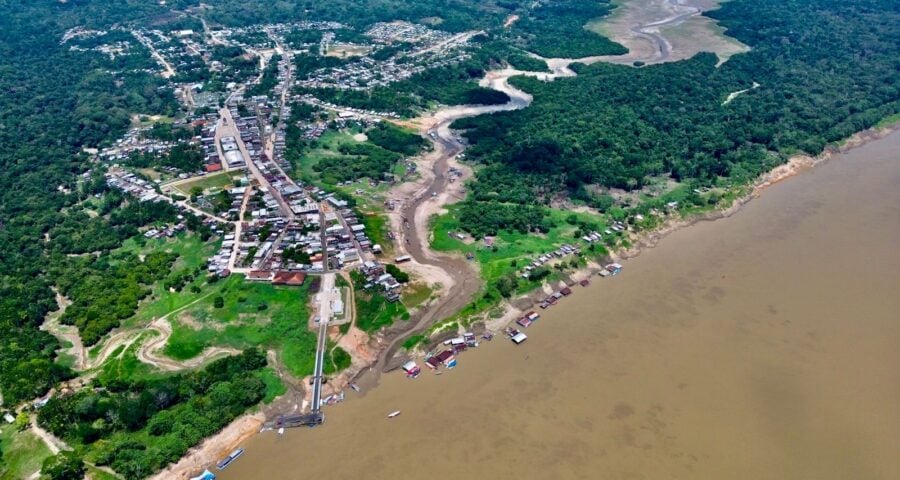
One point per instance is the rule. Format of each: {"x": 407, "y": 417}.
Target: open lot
{"x": 207, "y": 182}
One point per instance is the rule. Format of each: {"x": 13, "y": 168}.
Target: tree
{"x": 63, "y": 466}
{"x": 22, "y": 421}
{"x": 218, "y": 302}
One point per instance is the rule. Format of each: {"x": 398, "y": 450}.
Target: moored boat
{"x": 225, "y": 462}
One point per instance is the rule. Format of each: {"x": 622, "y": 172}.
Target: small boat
{"x": 394, "y": 414}
{"x": 355, "y": 387}
{"x": 281, "y": 431}
{"x": 225, "y": 462}
{"x": 206, "y": 475}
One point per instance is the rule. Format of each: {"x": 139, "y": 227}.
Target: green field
{"x": 215, "y": 181}
{"x": 377, "y": 229}
{"x": 125, "y": 366}
{"x": 274, "y": 386}
{"x": 23, "y": 453}
{"x": 416, "y": 294}
{"x": 254, "y": 314}
{"x": 510, "y": 249}
{"x": 192, "y": 256}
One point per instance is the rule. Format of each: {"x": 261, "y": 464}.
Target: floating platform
{"x": 302, "y": 420}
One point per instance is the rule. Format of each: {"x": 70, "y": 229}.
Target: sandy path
{"x": 65, "y": 333}
{"x": 148, "y": 352}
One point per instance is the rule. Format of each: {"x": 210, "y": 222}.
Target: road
{"x": 325, "y": 298}
{"x": 225, "y": 115}
{"x": 459, "y": 38}
{"x": 168, "y": 69}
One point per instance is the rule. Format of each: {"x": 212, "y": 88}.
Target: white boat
{"x": 281, "y": 431}
{"x": 394, "y": 414}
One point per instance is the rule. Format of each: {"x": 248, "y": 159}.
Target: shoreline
{"x": 380, "y": 344}
{"x": 244, "y": 427}
{"x": 649, "y": 239}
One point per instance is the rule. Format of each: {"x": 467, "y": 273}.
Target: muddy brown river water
{"x": 761, "y": 346}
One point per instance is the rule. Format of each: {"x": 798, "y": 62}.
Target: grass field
{"x": 341, "y": 50}
{"x": 377, "y": 229}
{"x": 127, "y": 367}
{"x": 416, "y": 294}
{"x": 254, "y": 314}
{"x": 208, "y": 183}
{"x": 23, "y": 453}
{"x": 373, "y": 311}
{"x": 274, "y": 386}
{"x": 510, "y": 248}
{"x": 192, "y": 255}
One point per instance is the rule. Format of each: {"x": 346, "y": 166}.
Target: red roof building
{"x": 213, "y": 167}
{"x": 284, "y": 277}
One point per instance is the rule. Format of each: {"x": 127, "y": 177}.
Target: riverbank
{"x": 752, "y": 329}
{"x": 518, "y": 306}
{"x": 213, "y": 448}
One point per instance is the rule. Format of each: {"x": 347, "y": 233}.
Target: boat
{"x": 225, "y": 462}
{"x": 518, "y": 338}
{"x": 355, "y": 387}
{"x": 206, "y": 475}
{"x": 281, "y": 431}
{"x": 394, "y": 414}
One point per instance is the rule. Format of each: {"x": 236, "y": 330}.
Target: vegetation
{"x": 144, "y": 425}
{"x": 269, "y": 78}
{"x": 22, "y": 453}
{"x": 616, "y": 126}
{"x": 105, "y": 291}
{"x": 239, "y": 323}
{"x": 393, "y": 138}
{"x": 373, "y": 310}
{"x": 557, "y": 29}
{"x": 63, "y": 466}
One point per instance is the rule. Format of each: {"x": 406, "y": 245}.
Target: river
{"x": 763, "y": 345}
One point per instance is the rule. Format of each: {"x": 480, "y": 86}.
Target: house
{"x": 566, "y": 291}
{"x": 446, "y": 358}
{"x": 259, "y": 275}
{"x": 412, "y": 370}
{"x": 432, "y": 362}
{"x": 283, "y": 277}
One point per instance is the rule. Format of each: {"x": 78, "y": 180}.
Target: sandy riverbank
{"x": 213, "y": 448}
{"x": 516, "y": 307}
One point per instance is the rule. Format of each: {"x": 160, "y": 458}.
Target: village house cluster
{"x": 430, "y": 49}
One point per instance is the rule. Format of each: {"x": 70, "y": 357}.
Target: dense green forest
{"x": 137, "y": 427}
{"x": 54, "y": 102}
{"x": 825, "y": 68}
{"x": 615, "y": 126}
{"x": 557, "y": 29}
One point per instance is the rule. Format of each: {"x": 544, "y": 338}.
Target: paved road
{"x": 325, "y": 297}
{"x": 225, "y": 114}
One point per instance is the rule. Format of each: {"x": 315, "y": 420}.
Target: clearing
{"x": 659, "y": 30}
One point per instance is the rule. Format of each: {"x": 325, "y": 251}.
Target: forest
{"x": 450, "y": 85}
{"x": 616, "y": 126}
{"x": 137, "y": 427}
{"x": 826, "y": 69}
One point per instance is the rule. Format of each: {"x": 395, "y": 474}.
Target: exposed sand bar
{"x": 762, "y": 345}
